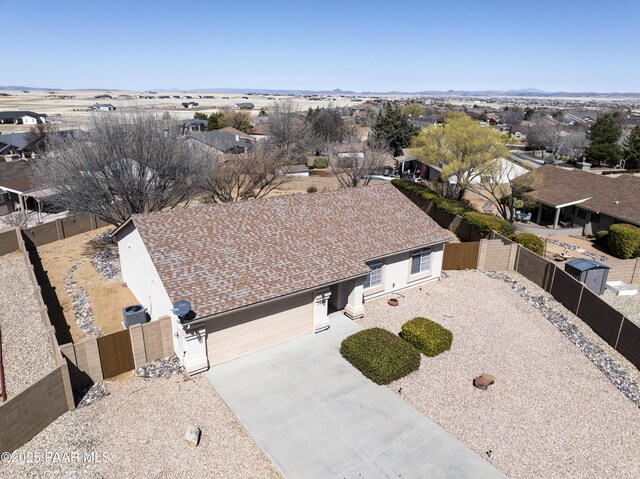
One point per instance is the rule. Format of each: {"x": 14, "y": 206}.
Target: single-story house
{"x": 260, "y": 272}
{"x": 194, "y": 124}
{"x": 581, "y": 198}
{"x": 225, "y": 140}
{"x": 190, "y": 104}
{"x": 13, "y": 143}
{"x": 296, "y": 170}
{"x": 243, "y": 106}
{"x": 22, "y": 118}
{"x": 102, "y": 107}
{"x": 21, "y": 188}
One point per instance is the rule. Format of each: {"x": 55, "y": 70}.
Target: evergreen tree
{"x": 393, "y": 128}
{"x": 604, "y": 136}
{"x": 632, "y": 146}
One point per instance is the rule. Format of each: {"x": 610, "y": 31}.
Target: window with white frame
{"x": 421, "y": 261}
{"x": 375, "y": 277}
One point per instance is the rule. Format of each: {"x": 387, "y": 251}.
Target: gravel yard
{"x": 139, "y": 430}
{"x": 551, "y": 413}
{"x": 627, "y": 305}
{"x": 27, "y": 355}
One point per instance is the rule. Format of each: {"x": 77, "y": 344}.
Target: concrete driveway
{"x": 317, "y": 417}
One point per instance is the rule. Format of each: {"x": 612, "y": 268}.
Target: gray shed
{"x": 591, "y": 273}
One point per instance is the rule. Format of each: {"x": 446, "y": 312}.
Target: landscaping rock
{"x": 94, "y": 394}
{"x": 484, "y": 381}
{"x": 161, "y": 368}
{"x": 82, "y": 311}
{"x": 192, "y": 435}
{"x": 107, "y": 261}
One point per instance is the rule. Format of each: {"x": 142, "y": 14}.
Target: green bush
{"x": 602, "y": 237}
{"x": 380, "y": 355}
{"x": 312, "y": 189}
{"x": 530, "y": 241}
{"x": 624, "y": 241}
{"x": 453, "y": 207}
{"x": 485, "y": 222}
{"x": 320, "y": 162}
{"x": 427, "y": 336}
{"x": 420, "y": 190}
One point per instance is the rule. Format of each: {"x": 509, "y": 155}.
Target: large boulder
{"x": 484, "y": 381}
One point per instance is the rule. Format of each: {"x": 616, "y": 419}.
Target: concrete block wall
{"x": 61, "y": 228}
{"x": 9, "y": 241}
{"x": 627, "y": 270}
{"x": 151, "y": 341}
{"x": 28, "y": 413}
{"x": 494, "y": 255}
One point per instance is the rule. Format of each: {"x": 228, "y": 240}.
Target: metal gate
{"x": 461, "y": 256}
{"x": 116, "y": 355}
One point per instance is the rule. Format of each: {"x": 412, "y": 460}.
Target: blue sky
{"x": 568, "y": 45}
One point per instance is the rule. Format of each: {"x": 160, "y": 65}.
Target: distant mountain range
{"x": 524, "y": 92}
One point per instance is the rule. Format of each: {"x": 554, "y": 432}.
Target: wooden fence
{"x": 460, "y": 256}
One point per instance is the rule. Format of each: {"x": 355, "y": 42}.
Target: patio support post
{"x": 354, "y": 308}
{"x": 539, "y": 217}
{"x": 556, "y": 219}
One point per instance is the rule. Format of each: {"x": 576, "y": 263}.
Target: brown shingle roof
{"x": 223, "y": 257}
{"x": 20, "y": 176}
{"x": 614, "y": 196}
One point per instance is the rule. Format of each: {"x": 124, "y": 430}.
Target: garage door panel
{"x": 246, "y": 332}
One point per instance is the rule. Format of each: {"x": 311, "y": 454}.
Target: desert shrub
{"x": 602, "y": 237}
{"x": 320, "y": 162}
{"x": 380, "y": 355}
{"x": 312, "y": 189}
{"x": 624, "y": 241}
{"x": 530, "y": 241}
{"x": 485, "y": 222}
{"x": 427, "y": 336}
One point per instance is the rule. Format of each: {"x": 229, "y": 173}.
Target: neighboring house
{"x": 20, "y": 187}
{"x": 243, "y": 106}
{"x": 193, "y": 125}
{"x": 103, "y": 97}
{"x": 102, "y": 107}
{"x": 225, "y": 140}
{"x": 296, "y": 170}
{"x": 14, "y": 144}
{"x": 581, "y": 198}
{"x": 264, "y": 271}
{"x": 190, "y": 104}
{"x": 22, "y": 118}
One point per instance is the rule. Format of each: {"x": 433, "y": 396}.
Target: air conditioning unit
{"x": 134, "y": 314}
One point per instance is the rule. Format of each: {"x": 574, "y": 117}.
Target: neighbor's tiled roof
{"x": 614, "y": 196}
{"x": 223, "y": 257}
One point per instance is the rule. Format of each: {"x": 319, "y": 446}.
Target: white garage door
{"x": 248, "y": 331}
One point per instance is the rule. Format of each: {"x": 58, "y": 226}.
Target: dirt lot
{"x": 551, "y": 412}
{"x": 138, "y": 430}
{"x": 106, "y": 297}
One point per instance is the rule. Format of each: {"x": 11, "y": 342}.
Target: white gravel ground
{"x": 27, "y": 355}
{"x": 627, "y": 305}
{"x": 137, "y": 432}
{"x": 551, "y": 413}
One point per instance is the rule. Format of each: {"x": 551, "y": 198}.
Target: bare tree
{"x": 543, "y": 133}
{"x": 288, "y": 130}
{"x": 512, "y": 115}
{"x": 574, "y": 144}
{"x": 125, "y": 163}
{"x": 17, "y": 219}
{"x": 252, "y": 174}
{"x": 500, "y": 184}
{"x": 353, "y": 162}
{"x": 39, "y": 136}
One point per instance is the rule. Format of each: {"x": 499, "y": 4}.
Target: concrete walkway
{"x": 318, "y": 417}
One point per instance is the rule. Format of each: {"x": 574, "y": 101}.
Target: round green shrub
{"x": 485, "y": 222}
{"x": 602, "y": 237}
{"x": 320, "y": 162}
{"x": 530, "y": 241}
{"x": 380, "y": 355}
{"x": 427, "y": 336}
{"x": 624, "y": 241}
